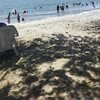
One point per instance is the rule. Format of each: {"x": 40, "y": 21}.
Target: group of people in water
{"x": 19, "y": 18}
{"x": 64, "y": 6}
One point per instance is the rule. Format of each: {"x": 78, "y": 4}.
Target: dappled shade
{"x": 84, "y": 61}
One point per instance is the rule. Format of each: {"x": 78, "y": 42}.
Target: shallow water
{"x": 39, "y": 9}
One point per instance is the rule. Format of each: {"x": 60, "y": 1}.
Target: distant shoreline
{"x": 92, "y": 13}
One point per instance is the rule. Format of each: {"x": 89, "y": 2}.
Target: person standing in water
{"x": 8, "y": 18}
{"x": 15, "y": 11}
{"x": 58, "y": 8}
{"x": 18, "y": 18}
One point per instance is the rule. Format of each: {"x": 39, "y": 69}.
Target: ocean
{"x": 40, "y": 9}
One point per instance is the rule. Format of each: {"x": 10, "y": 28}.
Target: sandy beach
{"x": 59, "y": 60}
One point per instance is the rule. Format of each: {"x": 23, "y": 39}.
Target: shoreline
{"x": 40, "y": 17}
{"x": 28, "y": 31}
{"x": 90, "y": 13}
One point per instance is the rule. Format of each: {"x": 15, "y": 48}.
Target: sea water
{"x": 40, "y": 9}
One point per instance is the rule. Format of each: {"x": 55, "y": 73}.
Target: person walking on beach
{"x": 8, "y": 18}
{"x": 18, "y": 18}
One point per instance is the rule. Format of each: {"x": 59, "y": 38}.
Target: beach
{"x": 59, "y": 60}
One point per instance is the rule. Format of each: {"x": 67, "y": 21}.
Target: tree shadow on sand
{"x": 84, "y": 61}
{"x": 93, "y": 27}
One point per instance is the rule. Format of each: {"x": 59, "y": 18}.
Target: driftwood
{"x": 7, "y": 38}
